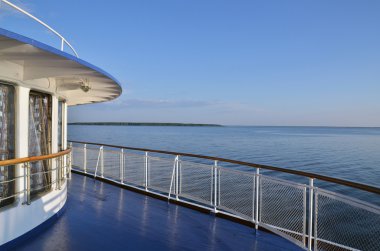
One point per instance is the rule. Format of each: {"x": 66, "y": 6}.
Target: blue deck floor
{"x": 101, "y": 216}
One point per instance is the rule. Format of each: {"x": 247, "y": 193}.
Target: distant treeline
{"x": 139, "y": 124}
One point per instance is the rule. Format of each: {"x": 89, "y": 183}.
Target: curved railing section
{"x": 63, "y": 40}
{"x": 58, "y": 169}
{"x": 290, "y": 205}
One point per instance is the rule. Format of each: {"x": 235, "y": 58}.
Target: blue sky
{"x": 227, "y": 62}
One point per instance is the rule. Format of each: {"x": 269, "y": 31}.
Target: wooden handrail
{"x": 10, "y": 162}
{"x": 348, "y": 183}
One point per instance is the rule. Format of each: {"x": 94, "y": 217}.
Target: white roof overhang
{"x": 69, "y": 77}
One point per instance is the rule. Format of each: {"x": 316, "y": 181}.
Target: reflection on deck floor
{"x": 100, "y": 216}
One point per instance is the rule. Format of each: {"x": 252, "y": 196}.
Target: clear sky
{"x": 293, "y": 62}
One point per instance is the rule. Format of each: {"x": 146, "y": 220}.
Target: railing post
{"x": 180, "y": 176}
{"x": 315, "y": 219}
{"x": 55, "y": 160}
{"x": 304, "y": 216}
{"x": 146, "y": 171}
{"x": 58, "y": 173}
{"x": 101, "y": 162}
{"x": 215, "y": 186}
{"x": 70, "y": 160}
{"x": 218, "y": 186}
{"x": 85, "y": 158}
{"x": 177, "y": 178}
{"x": 61, "y": 170}
{"x": 173, "y": 177}
{"x": 122, "y": 165}
{"x": 27, "y": 182}
{"x": 257, "y": 198}
{"x": 68, "y": 166}
{"x": 311, "y": 201}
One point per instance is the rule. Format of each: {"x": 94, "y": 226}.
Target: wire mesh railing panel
{"x": 134, "y": 169}
{"x": 160, "y": 172}
{"x": 196, "y": 181}
{"x": 343, "y": 223}
{"x": 93, "y": 161}
{"x": 283, "y": 207}
{"x": 77, "y": 158}
{"x": 236, "y": 192}
{"x": 111, "y": 164}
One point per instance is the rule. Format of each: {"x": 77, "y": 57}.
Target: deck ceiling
{"x": 38, "y": 61}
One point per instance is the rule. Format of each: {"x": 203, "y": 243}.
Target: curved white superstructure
{"x": 20, "y": 218}
{"x": 37, "y": 84}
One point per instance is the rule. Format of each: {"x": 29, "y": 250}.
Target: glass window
{"x": 7, "y": 143}
{"x": 40, "y": 141}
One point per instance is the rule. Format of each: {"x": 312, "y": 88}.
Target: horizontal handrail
{"x": 63, "y": 40}
{"x": 348, "y": 183}
{"x": 33, "y": 158}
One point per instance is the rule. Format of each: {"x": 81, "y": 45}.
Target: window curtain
{"x": 40, "y": 141}
{"x": 7, "y": 142}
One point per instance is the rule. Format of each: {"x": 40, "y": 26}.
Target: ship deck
{"x": 100, "y": 216}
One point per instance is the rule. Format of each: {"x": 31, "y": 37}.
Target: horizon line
{"x": 213, "y": 124}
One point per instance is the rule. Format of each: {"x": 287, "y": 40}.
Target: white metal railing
{"x": 63, "y": 40}
{"x": 36, "y": 181}
{"x": 313, "y": 218}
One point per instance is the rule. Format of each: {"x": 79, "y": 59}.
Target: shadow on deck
{"x": 100, "y": 216}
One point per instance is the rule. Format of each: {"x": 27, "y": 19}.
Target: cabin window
{"x": 60, "y": 125}
{"x": 7, "y": 143}
{"x": 40, "y": 141}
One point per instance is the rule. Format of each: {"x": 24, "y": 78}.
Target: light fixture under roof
{"x": 85, "y": 85}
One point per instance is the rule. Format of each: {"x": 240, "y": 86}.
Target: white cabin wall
{"x": 54, "y": 124}
{"x": 11, "y": 71}
{"x": 44, "y": 84}
{"x": 21, "y": 132}
{"x": 64, "y": 125}
{"x": 19, "y": 218}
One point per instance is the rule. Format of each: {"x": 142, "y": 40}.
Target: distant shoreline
{"x": 210, "y": 125}
{"x": 140, "y": 124}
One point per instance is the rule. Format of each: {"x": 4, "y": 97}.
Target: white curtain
{"x": 7, "y": 130}
{"x": 40, "y": 140}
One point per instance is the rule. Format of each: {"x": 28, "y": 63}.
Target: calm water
{"x": 348, "y": 153}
